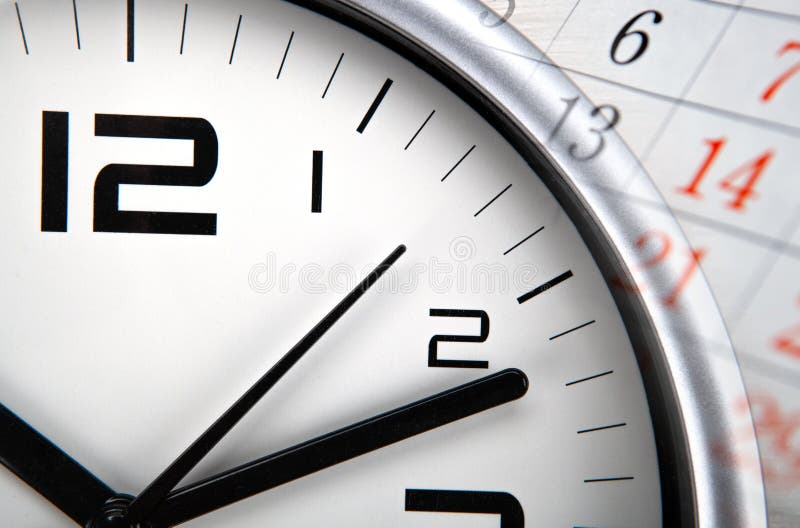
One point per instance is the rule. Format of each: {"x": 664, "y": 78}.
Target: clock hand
{"x": 49, "y": 470}
{"x": 142, "y": 505}
{"x": 338, "y": 446}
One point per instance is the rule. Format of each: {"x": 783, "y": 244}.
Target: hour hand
{"x": 339, "y": 446}
{"x": 48, "y": 470}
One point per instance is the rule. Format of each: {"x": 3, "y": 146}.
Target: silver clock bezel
{"x": 677, "y": 359}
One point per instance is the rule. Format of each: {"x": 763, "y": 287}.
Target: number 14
{"x": 741, "y": 182}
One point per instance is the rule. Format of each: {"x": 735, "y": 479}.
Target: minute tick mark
{"x": 410, "y": 141}
{"x": 21, "y": 29}
{"x": 493, "y": 200}
{"x": 544, "y": 287}
{"x": 374, "y": 106}
{"x": 518, "y": 244}
{"x": 572, "y": 330}
{"x": 459, "y": 162}
{"x": 183, "y": 29}
{"x": 602, "y": 428}
{"x": 335, "y": 69}
{"x": 285, "y": 53}
{"x": 235, "y": 38}
{"x": 595, "y": 376}
{"x": 75, "y": 18}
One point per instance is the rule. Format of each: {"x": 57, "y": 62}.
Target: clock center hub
{"x": 114, "y": 514}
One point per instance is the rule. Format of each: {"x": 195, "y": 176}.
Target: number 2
{"x": 108, "y": 217}
{"x": 433, "y": 345}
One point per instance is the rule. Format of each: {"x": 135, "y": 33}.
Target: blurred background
{"x": 707, "y": 95}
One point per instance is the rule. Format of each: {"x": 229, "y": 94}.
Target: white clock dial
{"x": 183, "y": 202}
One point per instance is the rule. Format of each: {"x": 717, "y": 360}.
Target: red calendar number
{"x": 656, "y": 248}
{"x": 741, "y": 182}
{"x": 691, "y": 267}
{"x": 788, "y": 341}
{"x": 769, "y": 92}
{"x": 779, "y": 438}
{"x": 779, "y": 433}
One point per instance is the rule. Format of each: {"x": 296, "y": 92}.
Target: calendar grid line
{"x": 681, "y": 99}
{"x": 756, "y": 282}
{"x": 755, "y": 287}
{"x": 760, "y": 122}
{"x": 769, "y": 369}
{"x": 753, "y": 10}
{"x": 555, "y": 37}
{"x": 561, "y": 27}
{"x": 766, "y": 241}
{"x": 749, "y": 361}
{"x": 784, "y": 247}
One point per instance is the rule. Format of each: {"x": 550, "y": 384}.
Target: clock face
{"x": 189, "y": 189}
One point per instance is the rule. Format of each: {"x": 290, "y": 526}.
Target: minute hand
{"x": 341, "y": 445}
{"x": 145, "y": 503}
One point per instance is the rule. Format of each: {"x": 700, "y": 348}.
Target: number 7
{"x": 792, "y": 45}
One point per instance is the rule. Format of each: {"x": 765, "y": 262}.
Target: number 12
{"x": 107, "y": 216}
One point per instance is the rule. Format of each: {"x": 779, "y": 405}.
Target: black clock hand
{"x": 331, "y": 449}
{"x": 142, "y": 505}
{"x": 48, "y": 470}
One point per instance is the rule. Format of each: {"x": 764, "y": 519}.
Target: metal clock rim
{"x": 690, "y": 417}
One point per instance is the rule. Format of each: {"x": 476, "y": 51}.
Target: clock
{"x": 342, "y": 263}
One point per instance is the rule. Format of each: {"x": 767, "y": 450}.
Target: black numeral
{"x": 316, "y": 182}
{"x": 55, "y": 148}
{"x": 433, "y": 345}
{"x": 484, "y": 16}
{"x": 625, "y": 32}
{"x": 448, "y": 501}
{"x": 129, "y": 21}
{"x": 108, "y": 217}
{"x": 608, "y": 123}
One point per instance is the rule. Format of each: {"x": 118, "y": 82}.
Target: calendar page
{"x": 707, "y": 95}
